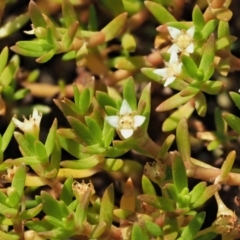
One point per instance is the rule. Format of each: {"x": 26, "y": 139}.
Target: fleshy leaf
{"x": 183, "y": 140}
{"x": 159, "y": 12}
{"x": 129, "y": 93}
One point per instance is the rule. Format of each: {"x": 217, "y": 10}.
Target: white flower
{"x": 31, "y": 125}
{"x": 182, "y": 40}
{"x": 126, "y": 122}
{"x": 171, "y": 71}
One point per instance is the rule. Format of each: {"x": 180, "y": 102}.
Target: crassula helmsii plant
{"x": 48, "y": 191}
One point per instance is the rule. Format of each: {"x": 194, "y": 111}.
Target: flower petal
{"x": 138, "y": 120}
{"x": 174, "y": 32}
{"x": 173, "y": 58}
{"x": 190, "y": 48}
{"x": 179, "y": 68}
{"x": 113, "y": 121}
{"x": 191, "y": 31}
{"x": 162, "y": 72}
{"x": 173, "y": 48}
{"x": 18, "y": 123}
{"x": 125, "y": 108}
{"x": 169, "y": 81}
{"x": 126, "y": 133}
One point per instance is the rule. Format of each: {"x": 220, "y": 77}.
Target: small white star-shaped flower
{"x": 182, "y": 40}
{"x": 126, "y": 122}
{"x": 171, "y": 71}
{"x": 32, "y": 125}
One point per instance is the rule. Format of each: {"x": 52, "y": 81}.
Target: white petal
{"x": 174, "y": 32}
{"x": 113, "y": 121}
{"x": 179, "y": 68}
{"x": 161, "y": 72}
{"x": 35, "y": 114}
{"x": 126, "y": 133}
{"x": 169, "y": 81}
{"x": 138, "y": 120}
{"x": 18, "y": 123}
{"x": 191, "y": 31}
{"x": 29, "y": 32}
{"x": 173, "y": 58}
{"x": 125, "y": 108}
{"x": 173, "y": 48}
{"x": 190, "y": 48}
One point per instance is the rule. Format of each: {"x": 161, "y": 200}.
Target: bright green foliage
{"x": 156, "y": 200}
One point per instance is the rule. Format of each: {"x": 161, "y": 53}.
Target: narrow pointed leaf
{"x": 138, "y": 233}
{"x": 81, "y": 131}
{"x": 173, "y": 102}
{"x": 3, "y": 59}
{"x": 198, "y": 19}
{"x": 183, "y": 140}
{"x": 233, "y": 121}
{"x": 159, "y": 12}
{"x": 107, "y": 206}
{"x": 36, "y": 15}
{"x": 50, "y": 141}
{"x": 208, "y": 54}
{"x": 193, "y": 227}
{"x": 129, "y": 93}
{"x": 172, "y": 121}
{"x": 69, "y": 13}
{"x": 114, "y": 27}
{"x": 179, "y": 174}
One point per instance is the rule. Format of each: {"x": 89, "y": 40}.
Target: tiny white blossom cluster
{"x": 126, "y": 121}
{"x": 182, "y": 43}
{"x": 32, "y": 125}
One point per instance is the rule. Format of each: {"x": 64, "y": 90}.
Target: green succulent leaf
{"x": 36, "y": 15}
{"x": 183, "y": 140}
{"x": 179, "y": 174}
{"x": 172, "y": 121}
{"x": 95, "y": 129}
{"x": 198, "y": 19}
{"x": 85, "y": 100}
{"x": 173, "y": 102}
{"x": 85, "y": 163}
{"x": 128, "y": 42}
{"x": 114, "y": 27}
{"x": 8, "y": 236}
{"x": 153, "y": 229}
{"x": 67, "y": 192}
{"x": 159, "y": 12}
{"x": 197, "y": 191}
{"x": 129, "y": 93}
{"x": 51, "y": 206}
{"x": 236, "y": 98}
{"x": 13, "y": 25}
{"x": 162, "y": 203}
{"x": 69, "y": 13}
{"x": 3, "y": 59}
{"x": 201, "y": 104}
{"x": 138, "y": 233}
{"x": 209, "y": 28}
{"x": 193, "y": 227}
{"x": 107, "y": 206}
{"x": 81, "y": 131}
{"x": 115, "y": 9}
{"x": 208, "y": 55}
{"x": 147, "y": 186}
{"x": 233, "y": 121}
{"x": 30, "y": 213}
{"x": 40, "y": 151}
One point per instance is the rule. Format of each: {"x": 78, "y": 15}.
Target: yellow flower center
{"x": 183, "y": 40}
{"x": 126, "y": 121}
{"x": 172, "y": 69}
